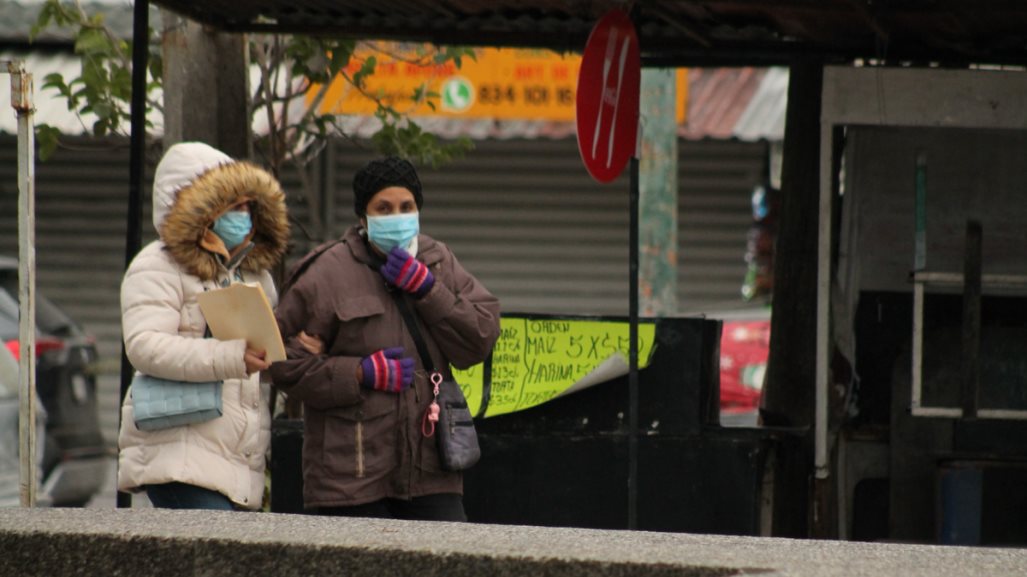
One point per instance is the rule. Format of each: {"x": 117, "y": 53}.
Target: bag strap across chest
{"x": 415, "y": 331}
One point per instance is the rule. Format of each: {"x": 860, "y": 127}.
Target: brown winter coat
{"x": 360, "y": 445}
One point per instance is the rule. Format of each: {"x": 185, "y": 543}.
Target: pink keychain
{"x": 431, "y": 415}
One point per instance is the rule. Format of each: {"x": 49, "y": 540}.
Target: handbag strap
{"x": 426, "y": 360}
{"x": 431, "y": 414}
{"x": 415, "y": 331}
{"x": 305, "y": 262}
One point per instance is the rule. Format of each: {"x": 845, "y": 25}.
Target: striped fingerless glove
{"x": 407, "y": 273}
{"x": 387, "y": 370}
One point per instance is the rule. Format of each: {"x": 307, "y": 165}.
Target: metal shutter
{"x": 528, "y": 221}
{"x": 81, "y": 208}
{"x": 522, "y": 215}
{"x": 715, "y": 183}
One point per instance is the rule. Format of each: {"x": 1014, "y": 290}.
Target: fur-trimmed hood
{"x": 193, "y": 185}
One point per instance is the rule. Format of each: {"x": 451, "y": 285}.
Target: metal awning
{"x": 725, "y": 103}
{"x": 671, "y": 32}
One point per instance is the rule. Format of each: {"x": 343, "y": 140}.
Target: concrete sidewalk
{"x": 150, "y": 542}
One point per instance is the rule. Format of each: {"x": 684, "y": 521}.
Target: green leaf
{"x": 56, "y": 81}
{"x": 47, "y": 137}
{"x": 156, "y": 65}
{"x": 341, "y": 54}
{"x": 366, "y": 70}
{"x": 121, "y": 83}
{"x": 92, "y": 42}
{"x": 104, "y": 110}
{"x": 42, "y": 21}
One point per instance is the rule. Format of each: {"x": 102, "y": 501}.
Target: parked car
{"x": 75, "y": 456}
{"x": 10, "y": 411}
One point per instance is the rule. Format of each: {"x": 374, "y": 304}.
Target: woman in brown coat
{"x": 364, "y": 453}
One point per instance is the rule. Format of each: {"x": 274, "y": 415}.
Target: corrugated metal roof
{"x": 734, "y": 103}
{"x": 17, "y": 17}
{"x": 724, "y": 103}
{"x": 716, "y": 99}
{"x": 764, "y": 116}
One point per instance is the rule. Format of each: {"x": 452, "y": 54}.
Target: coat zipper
{"x": 360, "y": 449}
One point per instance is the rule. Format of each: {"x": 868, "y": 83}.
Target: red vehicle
{"x": 75, "y": 457}
{"x": 744, "y": 346}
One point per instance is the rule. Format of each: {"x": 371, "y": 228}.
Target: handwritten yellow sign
{"x": 500, "y": 83}
{"x": 538, "y": 359}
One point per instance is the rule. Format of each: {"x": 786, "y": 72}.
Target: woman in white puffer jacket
{"x": 203, "y": 203}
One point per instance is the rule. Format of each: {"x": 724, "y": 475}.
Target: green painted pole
{"x": 658, "y": 191}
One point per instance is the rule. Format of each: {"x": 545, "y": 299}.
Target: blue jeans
{"x": 183, "y": 496}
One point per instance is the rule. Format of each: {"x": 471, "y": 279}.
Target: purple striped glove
{"x": 406, "y": 272}
{"x": 387, "y": 370}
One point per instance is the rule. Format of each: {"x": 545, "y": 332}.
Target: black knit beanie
{"x": 383, "y": 173}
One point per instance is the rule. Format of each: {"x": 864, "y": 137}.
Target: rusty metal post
{"x": 21, "y": 101}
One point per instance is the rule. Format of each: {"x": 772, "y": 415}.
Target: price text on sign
{"x": 609, "y": 83}
{"x": 536, "y": 359}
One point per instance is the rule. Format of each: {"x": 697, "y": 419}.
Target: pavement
{"x": 100, "y": 539}
{"x": 155, "y": 542}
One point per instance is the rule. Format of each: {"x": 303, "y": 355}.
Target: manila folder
{"x": 242, "y": 311}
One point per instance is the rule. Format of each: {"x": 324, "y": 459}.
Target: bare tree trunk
{"x": 206, "y": 87}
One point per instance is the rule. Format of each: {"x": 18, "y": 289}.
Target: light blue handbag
{"x": 163, "y": 403}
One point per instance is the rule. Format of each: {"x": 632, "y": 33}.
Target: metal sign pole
{"x": 633, "y": 352}
{"x": 609, "y": 84}
{"x": 133, "y": 233}
{"x": 21, "y": 101}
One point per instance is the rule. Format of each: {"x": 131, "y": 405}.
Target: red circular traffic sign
{"x": 607, "y": 100}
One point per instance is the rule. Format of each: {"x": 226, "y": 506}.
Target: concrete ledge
{"x": 149, "y": 542}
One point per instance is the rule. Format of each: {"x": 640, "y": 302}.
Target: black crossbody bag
{"x": 448, "y": 414}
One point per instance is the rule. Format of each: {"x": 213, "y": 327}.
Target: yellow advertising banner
{"x": 538, "y": 359}
{"x": 500, "y": 83}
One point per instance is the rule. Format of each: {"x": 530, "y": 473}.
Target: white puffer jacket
{"x": 163, "y": 326}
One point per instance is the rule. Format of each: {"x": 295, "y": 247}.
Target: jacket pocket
{"x": 360, "y": 440}
{"x": 354, "y": 315}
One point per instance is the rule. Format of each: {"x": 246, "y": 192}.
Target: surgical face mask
{"x": 233, "y": 227}
{"x": 389, "y": 231}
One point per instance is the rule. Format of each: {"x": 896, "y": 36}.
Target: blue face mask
{"x": 388, "y": 232}
{"x": 233, "y": 227}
